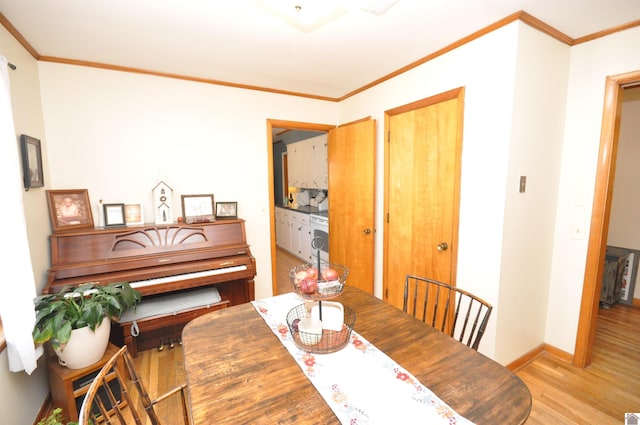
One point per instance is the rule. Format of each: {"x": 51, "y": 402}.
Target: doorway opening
{"x": 278, "y": 130}
{"x": 615, "y": 85}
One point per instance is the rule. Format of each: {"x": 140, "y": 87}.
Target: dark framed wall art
{"x": 31, "y": 162}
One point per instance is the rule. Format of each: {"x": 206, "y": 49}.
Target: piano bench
{"x": 159, "y": 320}
{"x": 157, "y": 331}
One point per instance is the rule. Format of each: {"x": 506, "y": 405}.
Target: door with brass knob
{"x": 352, "y": 206}
{"x": 422, "y": 175}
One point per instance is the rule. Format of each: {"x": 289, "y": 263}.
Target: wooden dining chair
{"x": 451, "y": 310}
{"x": 118, "y": 396}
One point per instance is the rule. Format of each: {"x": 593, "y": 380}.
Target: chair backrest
{"x": 117, "y": 395}
{"x": 451, "y": 310}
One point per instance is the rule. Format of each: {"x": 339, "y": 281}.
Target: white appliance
{"x": 319, "y": 224}
{"x": 323, "y": 205}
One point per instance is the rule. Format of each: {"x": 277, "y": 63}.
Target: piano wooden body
{"x": 160, "y": 261}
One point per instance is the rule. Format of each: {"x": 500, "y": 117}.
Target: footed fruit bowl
{"x": 324, "y": 284}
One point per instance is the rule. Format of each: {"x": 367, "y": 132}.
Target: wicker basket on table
{"x": 323, "y": 285}
{"x": 317, "y": 286}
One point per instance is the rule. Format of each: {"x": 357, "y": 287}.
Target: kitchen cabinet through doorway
{"x": 307, "y": 163}
{"x": 293, "y": 233}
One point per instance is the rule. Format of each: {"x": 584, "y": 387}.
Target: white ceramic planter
{"x": 85, "y": 346}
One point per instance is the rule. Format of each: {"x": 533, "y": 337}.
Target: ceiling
{"x": 239, "y": 42}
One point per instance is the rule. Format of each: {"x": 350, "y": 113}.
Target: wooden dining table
{"x": 238, "y": 371}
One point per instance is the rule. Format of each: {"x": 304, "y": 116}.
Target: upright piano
{"x": 168, "y": 264}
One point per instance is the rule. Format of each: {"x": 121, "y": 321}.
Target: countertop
{"x": 306, "y": 209}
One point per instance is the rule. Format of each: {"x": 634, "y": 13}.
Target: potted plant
{"x": 55, "y": 418}
{"x": 77, "y": 320}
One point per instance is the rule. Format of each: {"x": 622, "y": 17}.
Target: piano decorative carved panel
{"x": 158, "y": 260}
{"x": 158, "y": 239}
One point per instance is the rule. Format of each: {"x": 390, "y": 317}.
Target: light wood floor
{"x": 603, "y": 392}
{"x": 562, "y": 394}
{"x": 286, "y": 262}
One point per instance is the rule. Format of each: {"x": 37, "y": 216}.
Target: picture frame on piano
{"x": 198, "y": 209}
{"x": 69, "y": 209}
{"x": 133, "y": 215}
{"x": 113, "y": 215}
{"x": 226, "y": 210}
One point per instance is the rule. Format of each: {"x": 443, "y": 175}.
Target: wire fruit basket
{"x": 311, "y": 334}
{"x": 312, "y": 284}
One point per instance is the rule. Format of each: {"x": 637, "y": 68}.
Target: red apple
{"x": 312, "y": 272}
{"x": 308, "y": 286}
{"x": 330, "y": 274}
{"x": 300, "y": 276}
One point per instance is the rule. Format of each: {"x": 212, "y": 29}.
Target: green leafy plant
{"x": 55, "y": 418}
{"x": 74, "y": 308}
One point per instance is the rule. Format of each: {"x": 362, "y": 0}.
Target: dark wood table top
{"x": 239, "y": 372}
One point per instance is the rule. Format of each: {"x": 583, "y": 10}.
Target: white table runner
{"x": 361, "y": 384}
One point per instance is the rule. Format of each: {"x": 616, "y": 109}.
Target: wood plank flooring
{"x": 599, "y": 394}
{"x": 562, "y": 394}
{"x": 286, "y": 262}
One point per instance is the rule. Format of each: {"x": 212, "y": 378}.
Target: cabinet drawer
{"x": 299, "y": 217}
{"x": 282, "y": 213}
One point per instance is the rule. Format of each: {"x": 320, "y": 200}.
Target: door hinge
{"x": 388, "y": 137}
{"x": 386, "y": 293}
{"x": 387, "y": 217}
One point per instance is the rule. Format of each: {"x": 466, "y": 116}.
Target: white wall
{"x": 117, "y": 134}
{"x": 624, "y": 226}
{"x": 515, "y": 83}
{"x": 20, "y": 394}
{"x": 590, "y": 64}
{"x": 536, "y": 142}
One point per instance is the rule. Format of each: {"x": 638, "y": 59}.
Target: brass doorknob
{"x": 442, "y": 246}
{"x": 366, "y": 231}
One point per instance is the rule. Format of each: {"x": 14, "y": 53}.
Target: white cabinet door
{"x": 304, "y": 241}
{"x": 293, "y": 164}
{"x": 307, "y": 163}
{"x": 283, "y": 229}
{"x": 320, "y": 162}
{"x": 300, "y": 235}
{"x": 280, "y": 223}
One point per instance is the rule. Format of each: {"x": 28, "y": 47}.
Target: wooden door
{"x": 422, "y": 180}
{"x": 351, "y": 154}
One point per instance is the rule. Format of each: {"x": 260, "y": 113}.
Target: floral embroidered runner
{"x": 361, "y": 384}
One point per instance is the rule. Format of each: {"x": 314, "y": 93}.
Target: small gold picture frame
{"x": 133, "y": 215}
